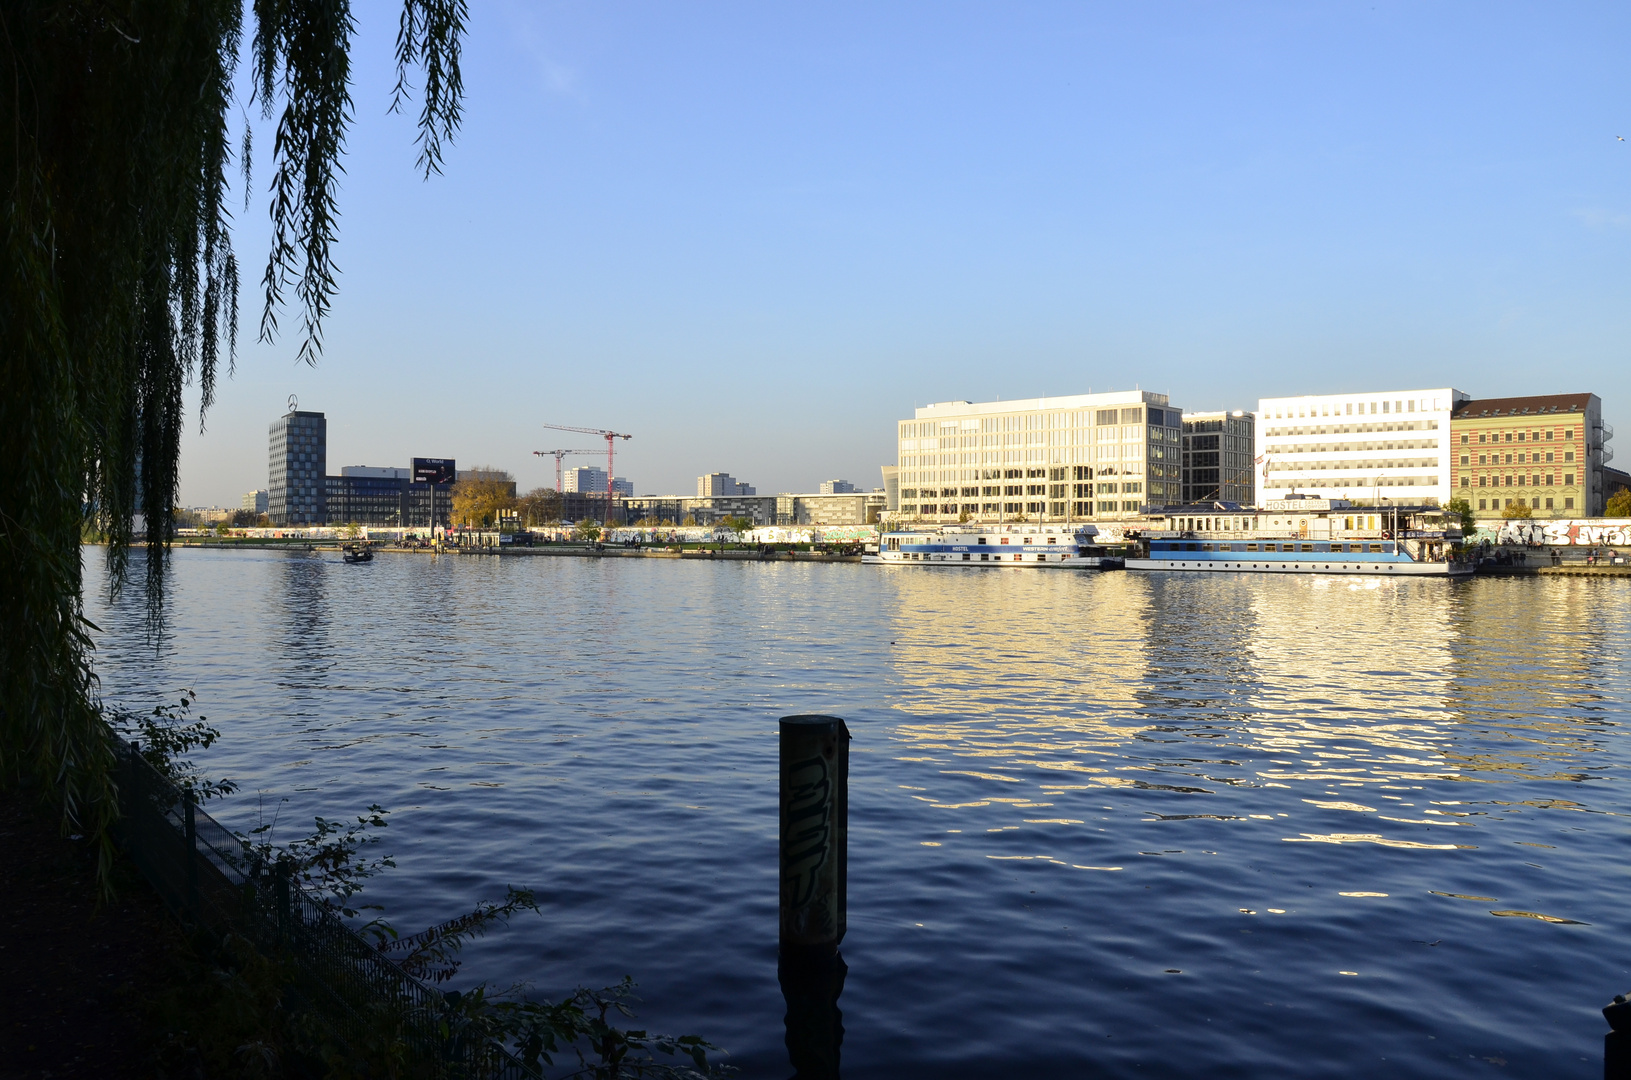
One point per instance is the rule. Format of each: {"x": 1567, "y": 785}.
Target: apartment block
{"x": 1384, "y": 446}
{"x": 298, "y": 451}
{"x": 1546, "y": 452}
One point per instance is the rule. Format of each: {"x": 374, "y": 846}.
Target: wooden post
{"x": 814, "y": 831}
{"x": 814, "y": 861}
{"x": 1617, "y": 1043}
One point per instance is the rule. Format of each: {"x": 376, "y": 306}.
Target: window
{"x": 1481, "y": 504}
{"x": 1548, "y": 456}
{"x": 1568, "y": 504}
{"x": 1550, "y": 479}
{"x": 1483, "y": 438}
{"x": 1548, "y": 504}
{"x": 1568, "y": 479}
{"x": 1463, "y": 440}
{"x": 1520, "y": 436}
{"x": 1483, "y": 459}
{"x": 1466, "y": 481}
{"x": 1482, "y": 481}
{"x": 1509, "y": 436}
{"x": 1568, "y": 455}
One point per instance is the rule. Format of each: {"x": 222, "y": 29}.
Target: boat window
{"x": 1251, "y": 547}
{"x": 1005, "y": 539}
{"x": 1053, "y": 539}
{"x": 1237, "y": 547}
{"x": 1208, "y": 547}
{"x": 984, "y": 556}
{"x": 965, "y": 556}
{"x": 1027, "y": 539}
{"x": 1326, "y": 547}
{"x": 981, "y": 540}
{"x": 1192, "y": 547}
{"x": 1308, "y": 547}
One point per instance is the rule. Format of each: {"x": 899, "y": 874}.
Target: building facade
{"x": 704, "y": 510}
{"x": 1546, "y": 452}
{"x": 1366, "y": 448}
{"x": 831, "y": 508}
{"x": 255, "y": 501}
{"x": 1081, "y": 458}
{"x": 722, "y": 484}
{"x": 296, "y": 492}
{"x": 387, "y": 498}
{"x": 1217, "y": 464}
{"x": 837, "y": 487}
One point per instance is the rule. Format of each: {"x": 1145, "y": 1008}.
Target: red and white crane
{"x": 558, "y": 455}
{"x": 611, "y": 438}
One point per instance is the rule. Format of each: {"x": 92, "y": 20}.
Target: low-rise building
{"x": 1547, "y": 452}
{"x": 837, "y": 487}
{"x": 718, "y": 484}
{"x": 255, "y": 501}
{"x": 831, "y": 508}
{"x": 1217, "y": 464}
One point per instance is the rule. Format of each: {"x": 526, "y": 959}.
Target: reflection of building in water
{"x": 1535, "y": 660}
{"x": 995, "y": 665}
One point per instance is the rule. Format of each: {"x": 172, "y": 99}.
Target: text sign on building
{"x": 433, "y": 470}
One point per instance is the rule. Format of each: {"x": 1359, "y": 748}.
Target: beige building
{"x": 1546, "y": 452}
{"x": 831, "y": 508}
{"x": 1081, "y": 458}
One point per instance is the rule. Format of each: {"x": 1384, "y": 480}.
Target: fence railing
{"x": 339, "y": 982}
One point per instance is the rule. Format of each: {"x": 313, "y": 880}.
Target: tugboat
{"x": 355, "y": 552}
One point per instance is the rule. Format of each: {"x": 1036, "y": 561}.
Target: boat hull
{"x": 1374, "y": 569}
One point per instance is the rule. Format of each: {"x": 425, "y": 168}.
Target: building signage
{"x": 1582, "y": 532}
{"x": 433, "y": 470}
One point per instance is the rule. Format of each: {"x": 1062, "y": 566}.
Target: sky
{"x": 753, "y": 235}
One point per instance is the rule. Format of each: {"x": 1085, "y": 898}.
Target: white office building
{"x": 1384, "y": 446}
{"x": 589, "y": 480}
{"x": 722, "y": 485}
{"x": 1080, "y": 458}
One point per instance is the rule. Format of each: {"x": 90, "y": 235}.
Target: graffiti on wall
{"x": 1581, "y": 532}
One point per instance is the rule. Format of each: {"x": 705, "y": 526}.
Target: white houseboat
{"x": 1062, "y": 547}
{"x": 1305, "y": 536}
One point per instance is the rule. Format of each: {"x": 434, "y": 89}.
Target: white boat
{"x": 1305, "y": 536}
{"x": 1061, "y": 547}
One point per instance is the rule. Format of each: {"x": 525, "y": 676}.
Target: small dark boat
{"x": 357, "y": 553}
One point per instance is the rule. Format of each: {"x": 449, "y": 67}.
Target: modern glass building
{"x": 1218, "y": 457}
{"x": 296, "y": 493}
{"x": 1080, "y": 458}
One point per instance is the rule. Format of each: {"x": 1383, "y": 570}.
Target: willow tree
{"x": 122, "y": 123}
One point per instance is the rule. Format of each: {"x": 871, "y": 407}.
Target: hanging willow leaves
{"x": 120, "y": 287}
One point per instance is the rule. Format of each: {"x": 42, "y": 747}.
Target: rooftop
{"x": 1480, "y": 408}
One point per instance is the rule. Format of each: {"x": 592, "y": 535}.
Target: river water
{"x": 1112, "y": 824}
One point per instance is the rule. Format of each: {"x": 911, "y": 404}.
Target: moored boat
{"x": 1062, "y": 547}
{"x": 1306, "y": 536}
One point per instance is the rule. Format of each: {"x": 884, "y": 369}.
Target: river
{"x": 1111, "y": 824}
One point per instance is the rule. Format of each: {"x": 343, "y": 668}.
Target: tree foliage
{"x": 120, "y": 288}
{"x": 540, "y": 506}
{"x": 1460, "y": 511}
{"x": 1619, "y": 504}
{"x": 481, "y": 493}
{"x": 1519, "y": 511}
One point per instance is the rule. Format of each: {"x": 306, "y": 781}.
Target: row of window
{"x": 1495, "y": 504}
{"x": 1495, "y": 459}
{"x": 1355, "y": 549}
{"x": 1533, "y": 480}
{"x": 1055, "y": 509}
{"x": 1508, "y": 436}
{"x": 1349, "y": 408}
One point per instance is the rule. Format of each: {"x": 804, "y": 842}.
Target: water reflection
{"x": 811, "y": 983}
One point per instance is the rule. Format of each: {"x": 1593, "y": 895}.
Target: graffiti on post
{"x": 808, "y": 839}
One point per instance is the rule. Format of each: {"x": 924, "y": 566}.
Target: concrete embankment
{"x": 658, "y": 553}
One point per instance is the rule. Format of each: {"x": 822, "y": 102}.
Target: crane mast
{"x": 611, "y": 438}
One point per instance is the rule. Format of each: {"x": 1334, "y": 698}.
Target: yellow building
{"x": 1546, "y": 452}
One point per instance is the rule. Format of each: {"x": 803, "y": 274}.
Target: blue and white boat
{"x": 1060, "y": 547}
{"x": 1305, "y": 536}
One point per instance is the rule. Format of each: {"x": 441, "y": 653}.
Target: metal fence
{"x": 337, "y": 982}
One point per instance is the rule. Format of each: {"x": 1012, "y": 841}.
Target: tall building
{"x": 1389, "y": 446}
{"x": 1091, "y": 456}
{"x": 1547, "y": 452}
{"x": 367, "y": 495}
{"x": 589, "y": 480}
{"x": 296, "y": 492}
{"x": 255, "y": 501}
{"x": 1218, "y": 448}
{"x": 721, "y": 484}
{"x": 837, "y": 487}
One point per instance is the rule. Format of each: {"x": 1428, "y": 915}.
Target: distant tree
{"x": 480, "y": 493}
{"x": 1460, "y": 511}
{"x": 962, "y": 519}
{"x": 690, "y": 521}
{"x": 588, "y": 530}
{"x": 1619, "y": 504}
{"x": 738, "y": 525}
{"x": 540, "y": 506}
{"x": 1519, "y": 511}
{"x": 245, "y": 519}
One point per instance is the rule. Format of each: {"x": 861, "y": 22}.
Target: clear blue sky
{"x": 754, "y": 235}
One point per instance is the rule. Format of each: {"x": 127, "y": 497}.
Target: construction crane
{"x": 558, "y": 455}
{"x": 611, "y": 438}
